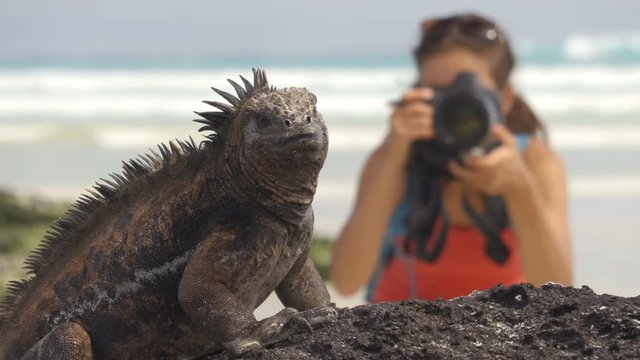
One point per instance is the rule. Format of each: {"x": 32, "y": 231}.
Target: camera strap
{"x": 424, "y": 231}
{"x": 490, "y": 224}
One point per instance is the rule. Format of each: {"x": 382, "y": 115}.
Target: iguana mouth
{"x": 298, "y": 138}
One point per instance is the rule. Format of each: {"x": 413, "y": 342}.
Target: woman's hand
{"x": 501, "y": 172}
{"x": 412, "y": 119}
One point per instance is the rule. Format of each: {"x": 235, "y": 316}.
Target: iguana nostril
{"x": 287, "y": 122}
{"x": 308, "y": 119}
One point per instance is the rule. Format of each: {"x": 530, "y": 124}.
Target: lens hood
{"x": 464, "y": 114}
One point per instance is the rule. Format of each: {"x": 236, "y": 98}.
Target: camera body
{"x": 464, "y": 114}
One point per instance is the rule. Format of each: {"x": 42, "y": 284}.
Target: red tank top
{"x": 461, "y": 268}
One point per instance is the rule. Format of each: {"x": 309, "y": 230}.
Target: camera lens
{"x": 465, "y": 121}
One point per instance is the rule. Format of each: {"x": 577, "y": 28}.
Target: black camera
{"x": 464, "y": 114}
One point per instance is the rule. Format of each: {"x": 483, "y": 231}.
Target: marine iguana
{"x": 169, "y": 259}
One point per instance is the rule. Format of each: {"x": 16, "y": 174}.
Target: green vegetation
{"x": 23, "y": 223}
{"x": 321, "y": 254}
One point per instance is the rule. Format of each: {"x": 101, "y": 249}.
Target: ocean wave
{"x": 578, "y": 77}
{"x": 550, "y": 103}
{"x": 138, "y": 108}
{"x": 145, "y": 95}
{"x": 370, "y": 81}
{"x": 343, "y": 138}
{"x": 113, "y": 137}
{"x": 590, "y": 47}
{"x": 147, "y": 109}
{"x": 42, "y": 80}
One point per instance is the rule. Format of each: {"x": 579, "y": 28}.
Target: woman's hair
{"x": 484, "y": 38}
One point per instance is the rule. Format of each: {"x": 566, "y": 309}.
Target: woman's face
{"x": 441, "y": 69}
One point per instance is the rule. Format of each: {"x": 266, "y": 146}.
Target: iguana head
{"x": 284, "y": 129}
{"x": 275, "y": 138}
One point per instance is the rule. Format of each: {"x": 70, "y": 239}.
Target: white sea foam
{"x": 145, "y": 108}
{"x": 578, "y": 77}
{"x": 585, "y": 47}
{"x": 41, "y": 80}
{"x": 363, "y": 93}
{"x": 53, "y": 106}
{"x": 557, "y": 104}
{"x": 338, "y": 79}
{"x": 342, "y": 137}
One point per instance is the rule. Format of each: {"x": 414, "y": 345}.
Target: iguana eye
{"x": 263, "y": 122}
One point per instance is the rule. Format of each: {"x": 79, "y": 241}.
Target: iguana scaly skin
{"x": 169, "y": 259}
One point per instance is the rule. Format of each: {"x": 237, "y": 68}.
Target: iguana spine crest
{"x": 104, "y": 192}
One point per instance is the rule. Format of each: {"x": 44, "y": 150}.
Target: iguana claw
{"x": 317, "y": 316}
{"x": 269, "y": 331}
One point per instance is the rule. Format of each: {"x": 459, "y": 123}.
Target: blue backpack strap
{"x": 389, "y": 248}
{"x": 523, "y": 141}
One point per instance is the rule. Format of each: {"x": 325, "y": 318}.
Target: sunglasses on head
{"x": 470, "y": 26}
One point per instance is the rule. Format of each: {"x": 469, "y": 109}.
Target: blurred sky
{"x": 61, "y": 28}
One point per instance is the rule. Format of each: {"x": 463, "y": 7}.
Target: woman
{"x": 529, "y": 181}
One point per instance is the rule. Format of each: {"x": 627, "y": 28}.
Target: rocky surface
{"x": 517, "y": 322}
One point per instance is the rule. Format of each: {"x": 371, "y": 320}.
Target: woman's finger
{"x": 417, "y": 94}
{"x": 460, "y": 171}
{"x": 504, "y": 136}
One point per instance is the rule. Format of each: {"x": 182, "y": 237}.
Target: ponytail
{"x": 521, "y": 119}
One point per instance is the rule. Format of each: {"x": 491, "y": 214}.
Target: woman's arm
{"x": 539, "y": 213}
{"x": 357, "y": 249}
{"x": 382, "y": 185}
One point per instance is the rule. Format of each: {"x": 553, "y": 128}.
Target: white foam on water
{"x": 566, "y": 103}
{"x": 89, "y": 106}
{"x": 117, "y": 137}
{"x": 365, "y": 93}
{"x": 589, "y": 47}
{"x": 341, "y": 137}
{"x": 101, "y": 81}
{"x": 146, "y": 107}
{"x": 139, "y": 107}
{"x": 577, "y": 77}
{"x": 129, "y": 108}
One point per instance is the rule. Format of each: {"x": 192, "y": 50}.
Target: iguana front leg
{"x": 304, "y": 290}
{"x": 68, "y": 341}
{"x": 216, "y": 310}
{"x": 209, "y": 303}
